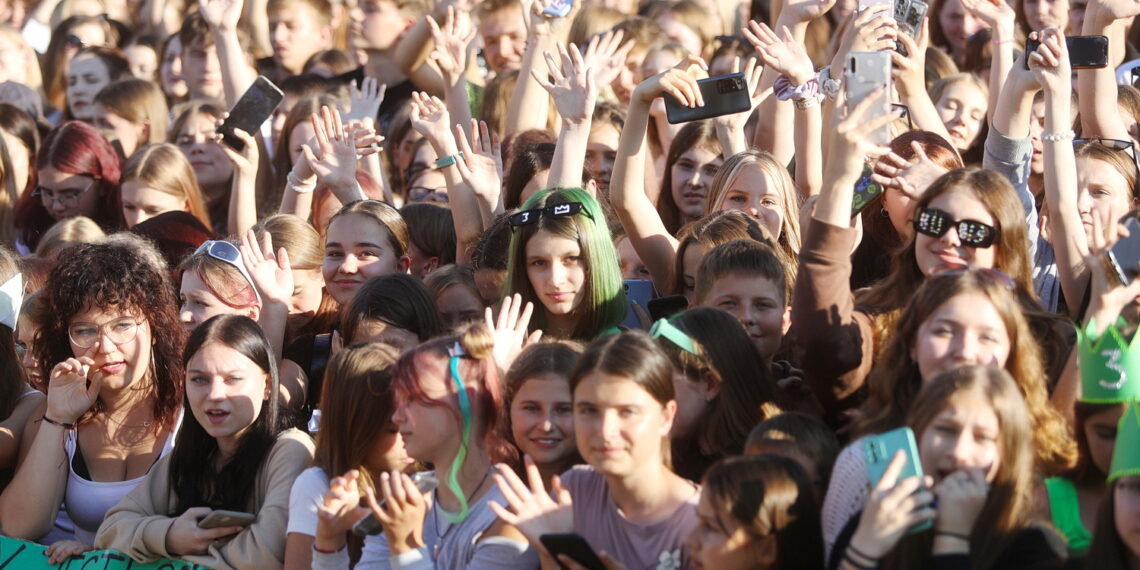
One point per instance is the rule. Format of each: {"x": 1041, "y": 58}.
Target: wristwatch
{"x": 827, "y": 85}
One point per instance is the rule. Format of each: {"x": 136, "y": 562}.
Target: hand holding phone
{"x": 1085, "y": 52}
{"x": 1124, "y": 255}
{"x": 425, "y": 483}
{"x": 253, "y": 109}
{"x": 869, "y": 73}
{"x": 222, "y": 518}
{"x": 893, "y": 463}
{"x": 722, "y": 95}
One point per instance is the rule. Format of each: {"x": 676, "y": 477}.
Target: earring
{"x": 883, "y": 213}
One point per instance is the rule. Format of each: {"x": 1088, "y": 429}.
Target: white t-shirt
{"x": 307, "y": 495}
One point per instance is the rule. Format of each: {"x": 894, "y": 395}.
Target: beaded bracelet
{"x": 63, "y": 425}
{"x": 1058, "y": 137}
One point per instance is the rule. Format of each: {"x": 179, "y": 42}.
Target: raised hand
{"x": 364, "y": 102}
{"x": 185, "y": 537}
{"x": 430, "y": 118}
{"x": 735, "y": 121}
{"x": 605, "y": 56}
{"x": 69, "y": 396}
{"x": 782, "y": 53}
{"x": 1050, "y": 63}
{"x": 853, "y": 130}
{"x": 1119, "y": 9}
{"x": 679, "y": 81}
{"x": 872, "y": 29}
{"x": 910, "y": 177}
{"x": 452, "y": 41}
{"x": 531, "y": 509}
{"x": 402, "y": 513}
{"x": 246, "y": 160}
{"x": 339, "y": 511}
{"x": 221, "y": 14}
{"x": 574, "y": 89}
{"x": 1109, "y": 297}
{"x": 335, "y": 166}
{"x": 909, "y": 71}
{"x": 509, "y": 331}
{"x": 998, "y": 15}
{"x": 481, "y": 166}
{"x": 272, "y": 274}
{"x": 804, "y": 11}
{"x": 892, "y": 508}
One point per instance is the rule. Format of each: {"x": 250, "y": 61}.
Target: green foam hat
{"x": 1110, "y": 365}
{"x": 1126, "y": 454}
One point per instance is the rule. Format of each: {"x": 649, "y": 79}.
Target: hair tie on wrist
{"x": 325, "y": 551}
{"x": 1000, "y": 42}
{"x": 952, "y": 535}
{"x": 63, "y": 425}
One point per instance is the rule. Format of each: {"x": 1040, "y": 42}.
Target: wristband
{"x": 827, "y": 85}
{"x": 952, "y": 535}
{"x": 859, "y": 565}
{"x": 852, "y": 550}
{"x": 1000, "y": 42}
{"x": 446, "y": 161}
{"x": 1058, "y": 137}
{"x": 806, "y": 103}
{"x": 300, "y": 186}
{"x": 63, "y": 425}
{"x": 325, "y": 551}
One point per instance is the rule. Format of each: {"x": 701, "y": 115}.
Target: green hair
{"x": 604, "y": 304}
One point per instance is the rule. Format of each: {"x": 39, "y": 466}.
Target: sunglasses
{"x": 553, "y": 211}
{"x": 1114, "y": 144}
{"x": 972, "y": 233}
{"x": 227, "y": 252}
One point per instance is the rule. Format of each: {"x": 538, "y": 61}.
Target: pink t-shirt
{"x": 596, "y": 518}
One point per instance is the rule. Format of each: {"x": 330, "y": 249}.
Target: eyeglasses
{"x": 120, "y": 331}
{"x": 1114, "y": 144}
{"x": 664, "y": 328}
{"x": 66, "y": 198}
{"x": 553, "y": 211}
{"x": 425, "y": 194}
{"x": 228, "y": 253}
{"x": 972, "y": 233}
{"x": 992, "y": 275}
{"x": 903, "y": 111}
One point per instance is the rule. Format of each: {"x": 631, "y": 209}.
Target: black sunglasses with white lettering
{"x": 553, "y": 211}
{"x": 972, "y": 233}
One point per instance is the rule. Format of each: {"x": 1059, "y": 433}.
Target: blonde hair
{"x": 33, "y": 77}
{"x": 778, "y": 177}
{"x": 164, "y": 168}
{"x": 140, "y": 102}
{"x": 67, "y": 233}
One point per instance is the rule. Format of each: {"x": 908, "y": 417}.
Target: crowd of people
{"x": 473, "y": 296}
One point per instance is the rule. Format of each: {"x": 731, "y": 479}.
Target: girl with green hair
{"x": 563, "y": 260}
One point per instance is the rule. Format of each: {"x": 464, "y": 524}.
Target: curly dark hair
{"x": 108, "y": 275}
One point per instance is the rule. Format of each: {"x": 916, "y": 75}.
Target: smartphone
{"x": 425, "y": 483}
{"x": 558, "y": 9}
{"x": 574, "y": 546}
{"x": 221, "y": 518}
{"x": 891, "y": 5}
{"x": 866, "y": 190}
{"x": 879, "y": 450}
{"x": 900, "y": 7}
{"x": 1125, "y": 254}
{"x": 1085, "y": 52}
{"x": 666, "y": 307}
{"x": 723, "y": 95}
{"x": 867, "y": 71}
{"x": 254, "y": 108}
{"x": 910, "y": 21}
{"x": 638, "y": 291}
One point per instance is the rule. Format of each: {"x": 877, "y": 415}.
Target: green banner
{"x": 30, "y": 556}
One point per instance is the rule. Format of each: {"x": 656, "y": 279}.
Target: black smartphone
{"x": 666, "y": 307}
{"x": 1125, "y": 254}
{"x": 723, "y": 95}
{"x": 254, "y": 108}
{"x": 574, "y": 546}
{"x": 369, "y": 524}
{"x": 866, "y": 190}
{"x": 1085, "y": 52}
{"x": 221, "y": 518}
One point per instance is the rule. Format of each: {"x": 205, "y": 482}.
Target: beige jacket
{"x": 137, "y": 526}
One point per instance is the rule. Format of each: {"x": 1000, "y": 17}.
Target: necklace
{"x": 439, "y": 538}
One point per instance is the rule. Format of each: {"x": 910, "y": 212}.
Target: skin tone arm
{"x": 575, "y": 92}
{"x": 30, "y": 503}
{"x": 1051, "y": 66}
{"x": 730, "y": 128}
{"x": 910, "y": 80}
{"x": 528, "y": 94}
{"x": 412, "y": 52}
{"x": 849, "y": 144}
{"x": 1001, "y": 19}
{"x": 1096, "y": 88}
{"x": 783, "y": 54}
{"x": 12, "y": 429}
{"x": 222, "y": 17}
{"x": 243, "y": 192}
{"x": 452, "y": 45}
{"x": 481, "y": 170}
{"x": 1014, "y": 105}
{"x": 634, "y": 209}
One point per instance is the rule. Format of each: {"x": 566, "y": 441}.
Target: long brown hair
{"x": 1007, "y": 509}
{"x": 895, "y": 381}
{"x": 698, "y": 134}
{"x": 164, "y": 168}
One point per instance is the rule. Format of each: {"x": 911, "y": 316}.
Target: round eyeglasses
{"x": 120, "y": 331}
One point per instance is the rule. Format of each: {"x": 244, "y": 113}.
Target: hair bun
{"x": 477, "y": 341}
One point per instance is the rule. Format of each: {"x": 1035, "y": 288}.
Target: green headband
{"x": 1110, "y": 365}
{"x": 664, "y": 328}
{"x": 1126, "y": 454}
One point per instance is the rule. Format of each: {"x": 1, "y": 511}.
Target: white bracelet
{"x": 1058, "y": 137}
{"x": 806, "y": 102}
{"x": 300, "y": 186}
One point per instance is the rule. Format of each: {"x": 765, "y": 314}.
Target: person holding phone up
{"x": 975, "y": 444}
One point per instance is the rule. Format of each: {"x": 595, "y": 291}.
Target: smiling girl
{"x": 562, "y": 259}
{"x": 753, "y": 182}
{"x": 542, "y": 419}
{"x": 365, "y": 239}
{"x": 231, "y": 454}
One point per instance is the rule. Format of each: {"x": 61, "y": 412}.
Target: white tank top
{"x": 87, "y": 501}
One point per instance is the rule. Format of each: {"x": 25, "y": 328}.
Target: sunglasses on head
{"x": 553, "y": 211}
{"x": 1114, "y": 144}
{"x": 972, "y": 233}
{"x": 228, "y": 253}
